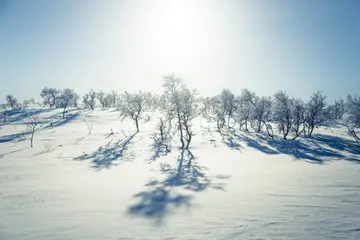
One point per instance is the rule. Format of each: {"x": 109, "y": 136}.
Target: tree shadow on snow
{"x": 162, "y": 197}
{"x": 318, "y": 149}
{"x": 109, "y": 155}
{"x": 43, "y": 123}
{"x": 71, "y": 115}
{"x": 22, "y": 114}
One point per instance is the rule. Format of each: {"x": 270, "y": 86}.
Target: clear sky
{"x": 266, "y": 46}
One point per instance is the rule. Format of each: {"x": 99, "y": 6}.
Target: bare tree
{"x": 353, "y": 118}
{"x": 162, "y": 138}
{"x": 102, "y": 100}
{"x": 132, "y": 106}
{"x": 314, "y": 115}
{"x": 11, "y": 101}
{"x": 261, "y": 112}
{"x": 246, "y": 106}
{"x": 228, "y": 104}
{"x": 282, "y": 112}
{"x": 49, "y": 96}
{"x": 33, "y": 123}
{"x": 339, "y": 108}
{"x": 180, "y": 105}
{"x": 67, "y": 99}
{"x": 298, "y": 118}
{"x": 188, "y": 113}
{"x": 108, "y": 100}
{"x": 114, "y": 97}
{"x": 89, "y": 100}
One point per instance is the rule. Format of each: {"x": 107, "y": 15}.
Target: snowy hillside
{"x": 91, "y": 176}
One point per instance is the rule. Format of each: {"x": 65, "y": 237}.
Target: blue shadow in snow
{"x": 318, "y": 149}
{"x": 162, "y": 197}
{"x": 20, "y": 115}
{"x": 108, "y": 156}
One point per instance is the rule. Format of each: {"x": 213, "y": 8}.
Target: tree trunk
{"x": 137, "y": 124}
{"x": 311, "y": 131}
{"x": 180, "y": 129}
{"x": 32, "y": 137}
{"x": 259, "y": 127}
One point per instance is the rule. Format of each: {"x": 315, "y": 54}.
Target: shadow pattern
{"x": 109, "y": 155}
{"x": 318, "y": 149}
{"x": 162, "y": 197}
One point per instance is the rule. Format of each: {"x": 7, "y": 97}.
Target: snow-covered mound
{"x": 91, "y": 176}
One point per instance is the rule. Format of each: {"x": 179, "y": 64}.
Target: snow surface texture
{"x": 79, "y": 181}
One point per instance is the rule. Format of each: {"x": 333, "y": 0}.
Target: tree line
{"x": 179, "y": 105}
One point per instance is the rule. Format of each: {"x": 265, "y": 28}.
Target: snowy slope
{"x": 76, "y": 185}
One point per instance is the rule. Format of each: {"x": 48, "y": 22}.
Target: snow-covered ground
{"x": 76, "y": 185}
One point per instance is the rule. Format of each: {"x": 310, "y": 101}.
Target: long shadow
{"x": 14, "y": 151}
{"x": 232, "y": 143}
{"x": 109, "y": 155}
{"x": 162, "y": 197}
{"x": 338, "y": 143}
{"x": 70, "y": 116}
{"x": 260, "y": 143}
{"x": 44, "y": 124}
{"x": 20, "y": 115}
{"x": 16, "y": 137}
{"x": 319, "y": 149}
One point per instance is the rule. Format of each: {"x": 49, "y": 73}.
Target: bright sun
{"x": 180, "y": 32}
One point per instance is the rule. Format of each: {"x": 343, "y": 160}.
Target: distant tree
{"x": 68, "y": 98}
{"x": 339, "y": 108}
{"x": 329, "y": 113}
{"x": 11, "y": 101}
{"x": 282, "y": 112}
{"x": 132, "y": 106}
{"x": 113, "y": 98}
{"x": 102, "y": 100}
{"x": 298, "y": 118}
{"x": 49, "y": 96}
{"x": 89, "y": 100}
{"x": 228, "y": 103}
{"x": 246, "y": 106}
{"x": 314, "y": 114}
{"x": 26, "y": 104}
{"x": 353, "y": 118}
{"x": 261, "y": 112}
{"x": 33, "y": 123}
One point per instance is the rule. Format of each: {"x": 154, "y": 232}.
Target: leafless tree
{"x": 261, "y": 112}
{"x": 102, "y": 100}
{"x": 314, "y": 115}
{"x": 132, "y": 106}
{"x": 228, "y": 103}
{"x": 180, "y": 105}
{"x": 11, "y": 101}
{"x": 353, "y": 118}
{"x": 298, "y": 118}
{"x": 282, "y": 112}
{"x": 89, "y": 100}
{"x": 114, "y": 97}
{"x": 246, "y": 106}
{"x": 339, "y": 108}
{"x": 67, "y": 99}
{"x": 33, "y": 123}
{"x": 162, "y": 138}
{"x": 49, "y": 96}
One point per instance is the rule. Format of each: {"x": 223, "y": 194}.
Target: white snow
{"x": 76, "y": 185}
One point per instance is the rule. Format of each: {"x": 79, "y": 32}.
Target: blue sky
{"x": 266, "y": 46}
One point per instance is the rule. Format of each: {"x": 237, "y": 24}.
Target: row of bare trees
{"x": 179, "y": 106}
{"x": 291, "y": 116}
